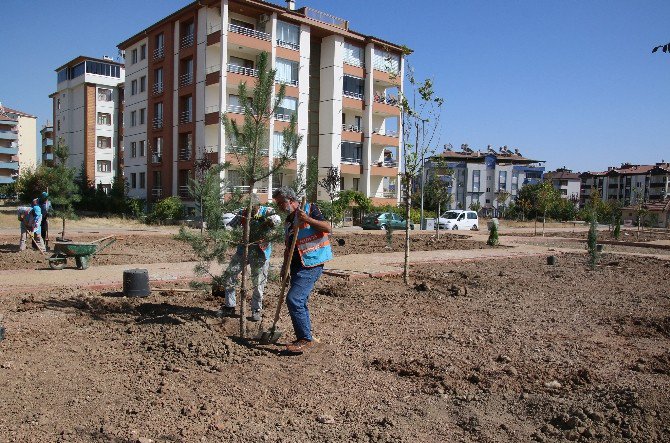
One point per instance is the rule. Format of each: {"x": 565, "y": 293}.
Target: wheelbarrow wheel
{"x": 82, "y": 262}
{"x": 57, "y": 263}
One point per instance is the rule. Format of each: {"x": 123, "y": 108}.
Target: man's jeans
{"x": 302, "y": 282}
{"x": 259, "y": 277}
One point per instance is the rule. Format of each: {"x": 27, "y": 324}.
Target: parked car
{"x": 384, "y": 220}
{"x": 459, "y": 220}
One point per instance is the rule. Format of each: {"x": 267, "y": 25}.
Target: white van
{"x": 459, "y": 220}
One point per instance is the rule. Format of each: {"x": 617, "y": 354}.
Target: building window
{"x": 133, "y": 56}
{"x": 502, "y": 180}
{"x": 58, "y": 103}
{"x": 143, "y": 83}
{"x": 133, "y": 149}
{"x": 353, "y": 55}
{"x": 143, "y": 180}
{"x": 143, "y": 52}
{"x": 475, "y": 181}
{"x": 353, "y": 87}
{"x": 133, "y": 180}
{"x": 133, "y": 118}
{"x": 357, "y": 182}
{"x": 351, "y": 152}
{"x": 157, "y": 154}
{"x": 142, "y": 148}
{"x": 385, "y": 61}
{"x": 288, "y": 35}
{"x": 104, "y": 166}
{"x": 186, "y": 109}
{"x": 104, "y": 95}
{"x": 104, "y": 118}
{"x": 58, "y": 125}
{"x": 104, "y": 142}
{"x": 287, "y": 107}
{"x": 287, "y": 71}
{"x": 158, "y": 111}
{"x": 133, "y": 87}
{"x": 143, "y": 112}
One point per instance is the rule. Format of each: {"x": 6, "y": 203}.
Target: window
{"x": 104, "y": 118}
{"x": 157, "y": 155}
{"x": 143, "y": 180}
{"x": 186, "y": 77}
{"x": 133, "y": 87}
{"x": 104, "y": 95}
{"x": 353, "y": 55}
{"x": 104, "y": 142}
{"x": 106, "y": 69}
{"x": 159, "y": 41}
{"x": 243, "y": 62}
{"x": 472, "y": 215}
{"x": 351, "y": 152}
{"x": 104, "y": 166}
{"x": 58, "y": 103}
{"x": 133, "y": 180}
{"x": 385, "y": 61}
{"x": 353, "y": 86}
{"x": 158, "y": 111}
{"x": 475, "y": 181}
{"x": 287, "y": 72}
{"x": 143, "y": 83}
{"x": 143, "y": 52}
{"x": 133, "y": 56}
{"x": 142, "y": 116}
{"x": 186, "y": 107}
{"x": 287, "y": 107}
{"x": 488, "y": 201}
{"x": 142, "y": 148}
{"x": 341, "y": 183}
{"x": 488, "y": 190}
{"x": 288, "y": 35}
{"x": 241, "y": 24}
{"x": 357, "y": 182}
{"x": 133, "y": 149}
{"x": 133, "y": 118}
{"x": 502, "y": 180}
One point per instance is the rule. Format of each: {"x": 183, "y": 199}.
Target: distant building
{"x": 657, "y": 214}
{"x": 87, "y": 115}
{"x": 628, "y": 183}
{"x": 479, "y": 177}
{"x": 568, "y": 183}
{"x": 47, "y": 133}
{"x": 18, "y": 143}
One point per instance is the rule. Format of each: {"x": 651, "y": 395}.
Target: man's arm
{"x": 320, "y": 225}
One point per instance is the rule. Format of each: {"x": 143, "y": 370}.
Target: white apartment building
{"x": 628, "y": 183}
{"x": 340, "y": 84}
{"x": 87, "y": 109}
{"x": 18, "y": 143}
{"x": 478, "y": 177}
{"x": 566, "y": 182}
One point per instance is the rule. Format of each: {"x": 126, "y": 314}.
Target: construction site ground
{"x": 484, "y": 344}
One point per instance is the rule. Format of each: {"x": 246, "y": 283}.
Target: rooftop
{"x": 10, "y": 113}
{"x": 504, "y": 154}
{"x": 75, "y": 61}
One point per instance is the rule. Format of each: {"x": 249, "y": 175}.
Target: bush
{"x": 136, "y": 207}
{"x": 168, "y": 209}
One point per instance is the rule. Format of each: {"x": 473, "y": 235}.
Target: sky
{"x": 570, "y": 82}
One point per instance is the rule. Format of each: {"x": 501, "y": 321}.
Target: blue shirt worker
{"x": 312, "y": 250}
{"x": 45, "y": 206}
{"x": 263, "y": 221}
{"x": 30, "y": 219}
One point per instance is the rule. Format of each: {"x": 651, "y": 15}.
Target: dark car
{"x": 384, "y": 220}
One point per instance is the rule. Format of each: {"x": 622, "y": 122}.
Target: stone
{"x": 326, "y": 419}
{"x": 554, "y": 384}
{"x": 144, "y": 440}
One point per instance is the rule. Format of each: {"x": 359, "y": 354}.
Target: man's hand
{"x": 303, "y": 217}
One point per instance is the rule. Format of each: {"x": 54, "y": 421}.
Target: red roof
{"x": 513, "y": 157}
{"x": 14, "y": 111}
{"x": 561, "y": 175}
{"x": 657, "y": 206}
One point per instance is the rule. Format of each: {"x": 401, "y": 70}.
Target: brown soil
{"x": 530, "y": 352}
{"x": 627, "y": 235}
{"x": 134, "y": 249}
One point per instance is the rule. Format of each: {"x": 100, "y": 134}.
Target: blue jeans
{"x": 302, "y": 282}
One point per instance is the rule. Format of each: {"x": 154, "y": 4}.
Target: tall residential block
{"x": 18, "y": 143}
{"x": 628, "y": 184}
{"x": 47, "y": 135}
{"x": 87, "y": 116}
{"x": 184, "y": 71}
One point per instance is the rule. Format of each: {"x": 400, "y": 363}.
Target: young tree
{"x": 547, "y": 196}
{"x": 525, "y": 205}
{"x": 253, "y": 140}
{"x": 331, "y": 184}
{"x": 420, "y": 110}
{"x": 502, "y": 198}
{"x": 476, "y": 206}
{"x": 437, "y": 193}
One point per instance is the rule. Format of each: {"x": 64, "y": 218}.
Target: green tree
{"x": 331, "y": 184}
{"x": 547, "y": 197}
{"x": 437, "y": 194}
{"x": 476, "y": 206}
{"x": 502, "y": 197}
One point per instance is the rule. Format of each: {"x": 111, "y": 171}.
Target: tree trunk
{"x": 437, "y": 222}
{"x": 544, "y": 219}
{"x": 535, "y": 224}
{"x": 405, "y": 273}
{"x": 245, "y": 258}
{"x": 62, "y": 234}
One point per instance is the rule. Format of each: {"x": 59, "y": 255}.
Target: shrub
{"x": 168, "y": 209}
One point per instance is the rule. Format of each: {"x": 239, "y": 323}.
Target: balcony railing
{"x": 351, "y": 160}
{"x": 159, "y": 53}
{"x": 286, "y": 81}
{"x": 157, "y": 192}
{"x": 385, "y": 194}
{"x": 186, "y": 79}
{"x": 158, "y": 87}
{"x": 210, "y": 109}
{"x": 213, "y": 27}
{"x": 233, "y": 188}
{"x": 185, "y": 154}
{"x": 158, "y": 122}
{"x": 390, "y": 100}
{"x": 385, "y": 132}
{"x": 183, "y": 191}
{"x": 241, "y": 150}
{"x": 242, "y": 70}
{"x": 351, "y": 94}
{"x": 212, "y": 68}
{"x": 283, "y": 117}
{"x": 187, "y": 41}
{"x": 387, "y": 163}
{"x": 156, "y": 158}
{"x": 236, "y": 109}
{"x": 353, "y": 61}
{"x": 326, "y": 18}
{"x": 352, "y": 128}
{"x": 249, "y": 32}
{"x": 185, "y": 117}
{"x": 289, "y": 45}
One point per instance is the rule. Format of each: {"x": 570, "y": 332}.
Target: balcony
{"x": 48, "y": 142}
{"x": 352, "y": 128}
{"x": 156, "y": 158}
{"x": 235, "y": 109}
{"x": 47, "y": 157}
{"x": 158, "y": 123}
{"x": 158, "y": 88}
{"x": 235, "y": 69}
{"x": 186, "y": 41}
{"x": 239, "y": 188}
{"x": 157, "y": 193}
{"x": 385, "y": 194}
{"x": 286, "y": 81}
{"x": 351, "y": 160}
{"x": 249, "y": 32}
{"x": 159, "y": 53}
{"x": 353, "y": 61}
{"x": 9, "y": 135}
{"x": 283, "y": 117}
{"x": 10, "y": 165}
{"x": 289, "y": 45}
{"x": 324, "y": 17}
{"x": 241, "y": 150}
{"x": 385, "y": 138}
{"x": 185, "y": 117}
{"x": 9, "y": 150}
{"x": 184, "y": 192}
{"x": 213, "y": 27}
{"x": 186, "y": 79}
{"x": 185, "y": 154}
{"x": 352, "y": 94}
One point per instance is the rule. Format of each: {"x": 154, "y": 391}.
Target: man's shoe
{"x": 226, "y": 311}
{"x": 256, "y": 316}
{"x": 299, "y": 346}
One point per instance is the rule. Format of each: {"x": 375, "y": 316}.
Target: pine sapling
{"x": 592, "y": 242}
{"x": 493, "y": 235}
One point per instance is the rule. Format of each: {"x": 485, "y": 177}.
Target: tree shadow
{"x": 9, "y": 247}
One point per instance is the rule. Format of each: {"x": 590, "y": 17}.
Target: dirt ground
{"x": 491, "y": 351}
{"x": 628, "y": 235}
{"x": 142, "y": 248}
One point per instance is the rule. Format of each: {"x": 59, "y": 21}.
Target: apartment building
{"x": 566, "y": 182}
{"x": 18, "y": 143}
{"x": 87, "y": 116}
{"x": 47, "y": 135}
{"x": 478, "y": 177}
{"x": 628, "y": 183}
{"x": 184, "y": 71}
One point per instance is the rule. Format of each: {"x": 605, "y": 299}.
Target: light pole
{"x": 423, "y": 168}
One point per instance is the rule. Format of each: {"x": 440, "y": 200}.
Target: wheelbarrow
{"x": 82, "y": 252}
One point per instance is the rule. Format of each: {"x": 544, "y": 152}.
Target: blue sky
{"x": 570, "y": 82}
